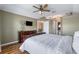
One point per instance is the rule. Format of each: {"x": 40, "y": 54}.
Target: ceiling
{"x": 27, "y": 9}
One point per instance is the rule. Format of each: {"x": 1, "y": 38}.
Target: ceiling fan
{"x": 41, "y": 8}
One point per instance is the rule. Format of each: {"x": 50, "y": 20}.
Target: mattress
{"x": 48, "y": 44}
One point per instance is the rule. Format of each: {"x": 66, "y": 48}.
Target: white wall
{"x": 76, "y": 8}
{"x": 70, "y": 24}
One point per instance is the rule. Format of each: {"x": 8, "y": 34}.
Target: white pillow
{"x": 76, "y": 42}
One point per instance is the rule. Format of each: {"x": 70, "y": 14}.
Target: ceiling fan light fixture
{"x": 40, "y": 12}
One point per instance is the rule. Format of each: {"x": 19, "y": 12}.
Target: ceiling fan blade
{"x": 41, "y": 7}
{"x": 46, "y": 5}
{"x": 35, "y": 11}
{"x": 36, "y": 7}
{"x": 47, "y": 10}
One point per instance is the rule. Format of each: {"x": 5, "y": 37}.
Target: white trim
{"x": 9, "y": 43}
{"x": 0, "y": 48}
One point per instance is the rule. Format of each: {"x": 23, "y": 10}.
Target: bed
{"x": 76, "y": 42}
{"x": 48, "y": 44}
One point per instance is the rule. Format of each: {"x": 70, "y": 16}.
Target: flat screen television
{"x": 29, "y": 23}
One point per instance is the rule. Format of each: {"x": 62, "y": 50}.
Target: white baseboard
{"x": 9, "y": 43}
{"x": 0, "y": 48}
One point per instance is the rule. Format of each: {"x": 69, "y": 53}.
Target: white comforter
{"x": 48, "y": 44}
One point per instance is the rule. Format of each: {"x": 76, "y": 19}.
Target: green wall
{"x": 70, "y": 24}
{"x": 12, "y": 23}
{"x": 0, "y": 30}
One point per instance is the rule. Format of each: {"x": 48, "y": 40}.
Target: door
{"x": 46, "y": 27}
{"x": 40, "y": 26}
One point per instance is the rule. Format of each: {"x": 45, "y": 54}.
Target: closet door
{"x": 40, "y": 26}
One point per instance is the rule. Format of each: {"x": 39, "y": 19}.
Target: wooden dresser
{"x": 25, "y": 34}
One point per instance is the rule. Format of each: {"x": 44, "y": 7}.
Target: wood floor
{"x": 12, "y": 49}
